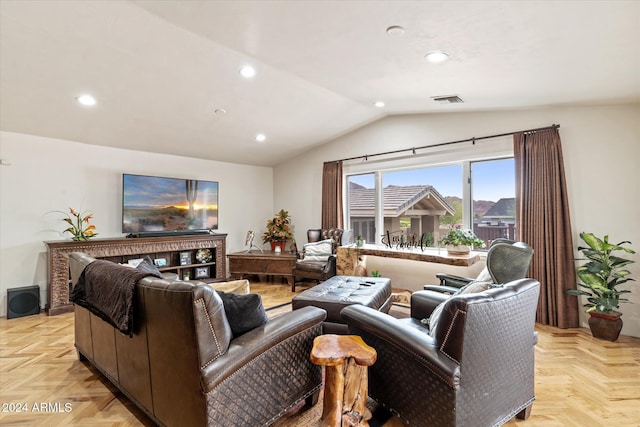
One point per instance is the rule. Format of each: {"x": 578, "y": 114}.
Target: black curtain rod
{"x": 474, "y": 139}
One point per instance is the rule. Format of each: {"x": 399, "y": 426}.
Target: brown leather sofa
{"x": 474, "y": 368}
{"x": 181, "y": 365}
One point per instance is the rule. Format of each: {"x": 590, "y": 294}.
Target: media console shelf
{"x": 122, "y": 250}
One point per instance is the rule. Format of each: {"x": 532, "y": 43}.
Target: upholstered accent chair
{"x": 507, "y": 260}
{"x": 318, "y": 259}
{"x": 471, "y": 364}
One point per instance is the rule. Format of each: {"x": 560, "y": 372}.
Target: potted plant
{"x": 459, "y": 241}
{"x": 278, "y": 230}
{"x": 80, "y": 228}
{"x": 600, "y": 277}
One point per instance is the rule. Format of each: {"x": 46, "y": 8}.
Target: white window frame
{"x": 463, "y": 153}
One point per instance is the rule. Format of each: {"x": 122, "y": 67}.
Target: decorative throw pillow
{"x": 473, "y": 288}
{"x": 244, "y": 311}
{"x": 484, "y": 276}
{"x": 432, "y": 321}
{"x": 149, "y": 267}
{"x": 318, "y": 251}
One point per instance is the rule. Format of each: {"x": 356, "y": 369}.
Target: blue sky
{"x": 492, "y": 180}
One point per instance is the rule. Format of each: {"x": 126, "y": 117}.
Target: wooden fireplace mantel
{"x": 123, "y": 249}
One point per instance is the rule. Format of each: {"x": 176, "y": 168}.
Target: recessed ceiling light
{"x": 261, "y": 137}
{"x": 436, "y": 56}
{"x": 86, "y": 99}
{"x": 395, "y": 30}
{"x": 379, "y": 104}
{"x": 247, "y": 71}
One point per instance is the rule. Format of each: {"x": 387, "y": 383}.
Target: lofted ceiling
{"x": 161, "y": 69}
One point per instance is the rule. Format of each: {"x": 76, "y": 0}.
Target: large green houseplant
{"x": 459, "y": 241}
{"x": 600, "y": 278}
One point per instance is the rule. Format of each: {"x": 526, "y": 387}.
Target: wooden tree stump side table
{"x": 346, "y": 358}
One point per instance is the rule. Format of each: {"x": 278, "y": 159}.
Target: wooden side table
{"x": 265, "y": 263}
{"x": 346, "y": 358}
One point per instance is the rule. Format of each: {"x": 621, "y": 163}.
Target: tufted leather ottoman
{"x": 340, "y": 291}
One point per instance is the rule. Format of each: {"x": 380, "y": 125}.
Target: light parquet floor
{"x": 580, "y": 381}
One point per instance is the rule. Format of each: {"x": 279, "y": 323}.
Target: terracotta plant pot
{"x": 281, "y": 245}
{"x": 605, "y": 325}
{"x": 458, "y": 250}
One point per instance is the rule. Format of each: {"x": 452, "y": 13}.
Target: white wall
{"x": 49, "y": 174}
{"x": 601, "y": 148}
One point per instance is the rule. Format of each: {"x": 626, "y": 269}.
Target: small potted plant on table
{"x": 279, "y": 230}
{"x": 600, "y": 277}
{"x": 459, "y": 241}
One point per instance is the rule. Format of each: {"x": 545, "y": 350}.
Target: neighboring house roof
{"x": 399, "y": 200}
{"x": 503, "y": 208}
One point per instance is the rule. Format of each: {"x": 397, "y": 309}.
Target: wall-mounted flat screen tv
{"x": 152, "y": 204}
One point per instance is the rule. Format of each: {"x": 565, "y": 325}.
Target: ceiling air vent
{"x": 450, "y": 99}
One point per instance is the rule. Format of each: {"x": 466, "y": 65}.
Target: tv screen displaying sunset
{"x": 153, "y": 204}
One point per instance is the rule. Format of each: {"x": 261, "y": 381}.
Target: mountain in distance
{"x": 480, "y": 207}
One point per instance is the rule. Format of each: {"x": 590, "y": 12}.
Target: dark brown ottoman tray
{"x": 340, "y": 291}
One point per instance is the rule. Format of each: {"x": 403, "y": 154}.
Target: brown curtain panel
{"x": 332, "y": 195}
{"x": 542, "y": 212}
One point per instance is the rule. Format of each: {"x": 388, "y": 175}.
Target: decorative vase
{"x": 458, "y": 249}
{"x": 605, "y": 325}
{"x": 282, "y": 244}
{"x": 360, "y": 270}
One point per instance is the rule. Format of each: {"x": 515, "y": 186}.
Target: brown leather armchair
{"x": 318, "y": 271}
{"x": 507, "y": 260}
{"x": 474, "y": 367}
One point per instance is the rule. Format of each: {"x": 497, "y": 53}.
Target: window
{"x": 405, "y": 222}
{"x": 494, "y": 200}
{"x": 419, "y": 200}
{"x": 361, "y": 206}
{"x": 422, "y": 201}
